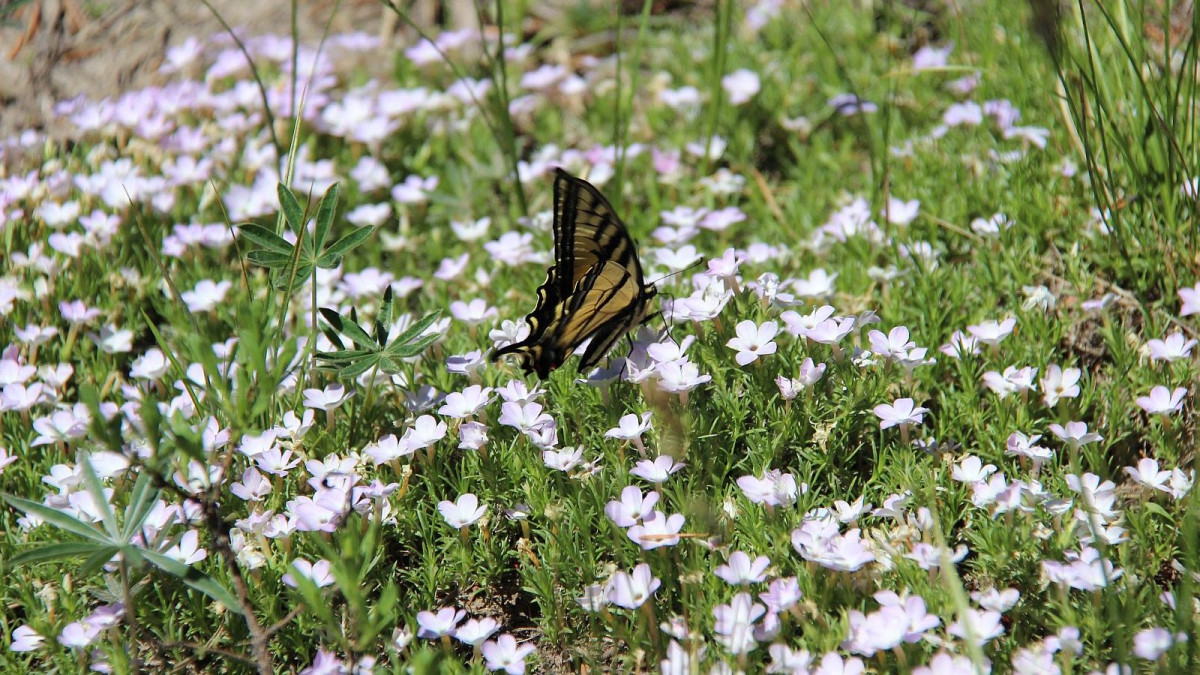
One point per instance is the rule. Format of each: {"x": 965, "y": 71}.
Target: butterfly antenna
{"x": 693, "y": 266}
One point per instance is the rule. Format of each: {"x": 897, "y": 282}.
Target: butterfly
{"x": 595, "y": 289}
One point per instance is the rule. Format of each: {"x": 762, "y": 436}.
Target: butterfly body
{"x": 595, "y": 289}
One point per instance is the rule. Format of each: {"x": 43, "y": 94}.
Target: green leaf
{"x": 341, "y": 247}
{"x": 293, "y": 213}
{"x": 101, "y": 556}
{"x": 194, "y": 579}
{"x": 141, "y": 503}
{"x": 346, "y": 355}
{"x": 417, "y": 328}
{"x": 92, "y": 481}
{"x": 268, "y": 240}
{"x": 402, "y": 351}
{"x": 355, "y": 369}
{"x": 56, "y": 518}
{"x": 65, "y": 550}
{"x": 269, "y": 259}
{"x": 356, "y": 334}
{"x": 326, "y": 209}
{"x": 383, "y": 317}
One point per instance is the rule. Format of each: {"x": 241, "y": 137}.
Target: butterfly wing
{"x": 595, "y": 288}
{"x": 587, "y": 232}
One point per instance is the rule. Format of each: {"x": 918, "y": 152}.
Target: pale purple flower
{"x": 425, "y": 431}
{"x": 1011, "y": 381}
{"x": 741, "y": 85}
{"x": 320, "y": 572}
{"x": 25, "y": 639}
{"x": 997, "y": 601}
{"x": 630, "y": 428}
{"x": 434, "y": 625}
{"x": 562, "y": 460}
{"x": 900, "y": 212}
{"x": 473, "y": 313}
{"x": 472, "y": 435}
{"x": 523, "y": 417}
{"x": 784, "y": 660}
{"x": 753, "y": 340}
{"x": 253, "y": 486}
{"x": 781, "y": 594}
{"x": 680, "y": 376}
{"x": 77, "y": 313}
{"x": 773, "y": 488}
{"x": 1190, "y": 297}
{"x": 78, "y": 634}
{"x": 833, "y": 664}
{"x": 895, "y": 343}
{"x": 831, "y": 331}
{"x": 632, "y": 507}
{"x": 1162, "y": 401}
{"x": 944, "y": 663}
{"x": 462, "y": 512}
{"x": 734, "y": 624}
{"x": 903, "y": 413}
{"x": 329, "y": 398}
{"x": 971, "y": 470}
{"x": 1147, "y": 473}
{"x": 656, "y": 531}
{"x": 1174, "y": 347}
{"x": 474, "y": 631}
{"x": 1152, "y": 643}
{"x": 1058, "y": 383}
{"x": 206, "y": 296}
{"x": 1075, "y": 434}
{"x": 980, "y": 625}
{"x": 631, "y": 589}
{"x": 741, "y": 571}
{"x": 992, "y": 332}
{"x": 960, "y": 345}
{"x": 505, "y": 654}
{"x": 658, "y": 470}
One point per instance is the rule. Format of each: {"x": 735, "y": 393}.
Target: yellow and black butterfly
{"x": 594, "y": 289}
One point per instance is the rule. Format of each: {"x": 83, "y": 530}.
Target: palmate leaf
{"x": 377, "y": 351}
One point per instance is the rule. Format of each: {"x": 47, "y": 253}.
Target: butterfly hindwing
{"x": 595, "y": 289}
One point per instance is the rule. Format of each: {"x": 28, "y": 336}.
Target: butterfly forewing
{"x": 587, "y": 231}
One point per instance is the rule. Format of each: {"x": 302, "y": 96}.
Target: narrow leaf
{"x": 270, "y": 259}
{"x": 268, "y": 240}
{"x": 56, "y": 518}
{"x": 61, "y": 551}
{"x": 331, "y": 256}
{"x": 417, "y": 328}
{"x": 403, "y": 351}
{"x": 325, "y": 212}
{"x": 293, "y": 213}
{"x": 194, "y": 579}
